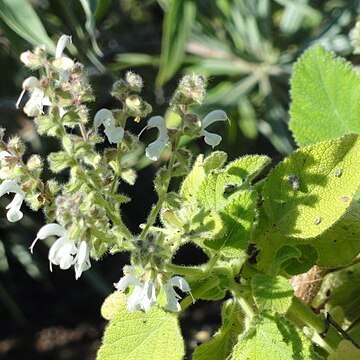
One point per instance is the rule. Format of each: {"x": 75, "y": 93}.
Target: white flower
{"x": 214, "y": 116}
{"x": 105, "y": 117}
{"x": 142, "y": 296}
{"x": 64, "y": 251}
{"x": 11, "y": 186}
{"x": 153, "y": 150}
{"x": 62, "y": 63}
{"x": 37, "y": 101}
{"x": 172, "y": 297}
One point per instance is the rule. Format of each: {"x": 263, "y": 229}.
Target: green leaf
{"x": 272, "y": 293}
{"x": 304, "y": 195}
{"x": 326, "y": 97}
{"x": 341, "y": 243}
{"x": 145, "y": 336}
{"x": 193, "y": 180}
{"x": 220, "y": 346}
{"x": 20, "y": 16}
{"x": 238, "y": 218}
{"x": 178, "y": 20}
{"x": 216, "y": 191}
{"x": 273, "y": 338}
{"x": 214, "y": 161}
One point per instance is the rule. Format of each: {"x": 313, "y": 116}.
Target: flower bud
{"x": 191, "y": 90}
{"x": 35, "y": 59}
{"x": 137, "y": 107}
{"x": 120, "y": 89}
{"x": 16, "y": 146}
{"x": 34, "y": 163}
{"x": 134, "y": 81}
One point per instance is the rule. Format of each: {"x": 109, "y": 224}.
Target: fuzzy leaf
{"x": 326, "y": 97}
{"x": 215, "y": 191}
{"x": 214, "y": 161}
{"x": 273, "y": 338}
{"x": 145, "y": 336}
{"x": 193, "y": 180}
{"x": 238, "y": 218}
{"x": 304, "y": 195}
{"x": 272, "y": 293}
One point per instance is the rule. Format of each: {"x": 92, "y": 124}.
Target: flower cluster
{"x": 143, "y": 294}
{"x": 65, "y": 252}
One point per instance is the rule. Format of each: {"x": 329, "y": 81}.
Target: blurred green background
{"x": 246, "y": 48}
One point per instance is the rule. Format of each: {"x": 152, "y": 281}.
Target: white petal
{"x": 210, "y": 138}
{"x": 172, "y": 298}
{"x": 103, "y": 115}
{"x": 213, "y": 116}
{"x": 148, "y": 297}
{"x": 64, "y": 41}
{"x": 51, "y": 230}
{"x": 30, "y": 83}
{"x": 157, "y": 121}
{"x": 55, "y": 247}
{"x": 8, "y": 186}
{"x": 82, "y": 260}
{"x": 127, "y": 281}
{"x": 4, "y": 154}
{"x": 154, "y": 150}
{"x": 114, "y": 134}
{"x": 133, "y": 301}
{"x": 179, "y": 282}
{"x": 34, "y": 106}
{"x": 14, "y": 214}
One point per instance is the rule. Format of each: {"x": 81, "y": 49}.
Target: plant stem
{"x": 301, "y": 314}
{"x": 156, "y": 209}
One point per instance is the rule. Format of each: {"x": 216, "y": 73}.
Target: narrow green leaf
{"x": 304, "y": 195}
{"x": 326, "y": 97}
{"x": 145, "y": 336}
{"x": 179, "y": 17}
{"x": 20, "y": 16}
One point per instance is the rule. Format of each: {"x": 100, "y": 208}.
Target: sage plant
{"x": 258, "y": 227}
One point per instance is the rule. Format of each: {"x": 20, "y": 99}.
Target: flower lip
{"x": 11, "y": 186}
{"x": 154, "y": 149}
{"x": 105, "y": 117}
{"x": 214, "y": 116}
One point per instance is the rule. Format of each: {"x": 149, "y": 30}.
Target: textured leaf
{"x": 20, "y": 16}
{"x": 193, "y": 180}
{"x": 273, "y": 339}
{"x": 216, "y": 191}
{"x": 215, "y": 160}
{"x": 305, "y": 194}
{"x": 238, "y": 218}
{"x": 145, "y": 336}
{"x": 341, "y": 243}
{"x": 326, "y": 97}
{"x": 273, "y": 294}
